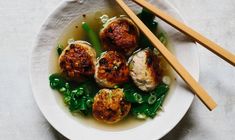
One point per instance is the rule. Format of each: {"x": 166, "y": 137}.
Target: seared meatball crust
{"x": 120, "y": 34}
{"x": 110, "y": 106}
{"x": 111, "y": 70}
{"x": 77, "y": 60}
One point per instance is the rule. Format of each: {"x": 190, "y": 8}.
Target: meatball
{"x": 111, "y": 69}
{"x": 110, "y": 106}
{"x": 120, "y": 34}
{"x": 143, "y": 69}
{"x": 77, "y": 60}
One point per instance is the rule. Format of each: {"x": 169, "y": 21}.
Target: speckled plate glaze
{"x": 177, "y": 102}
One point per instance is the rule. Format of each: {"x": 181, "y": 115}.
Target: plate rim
{"x": 45, "y": 21}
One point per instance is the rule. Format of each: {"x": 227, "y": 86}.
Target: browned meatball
{"x": 111, "y": 69}
{"x": 143, "y": 66}
{"x": 110, "y": 106}
{"x": 120, "y": 34}
{"x": 78, "y": 60}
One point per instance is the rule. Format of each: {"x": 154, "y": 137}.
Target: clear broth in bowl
{"x": 74, "y": 31}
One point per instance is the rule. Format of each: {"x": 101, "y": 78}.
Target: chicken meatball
{"x": 120, "y": 34}
{"x": 111, "y": 69}
{"x": 143, "y": 69}
{"x": 77, "y": 60}
{"x": 110, "y": 106}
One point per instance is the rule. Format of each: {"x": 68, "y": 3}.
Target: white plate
{"x": 177, "y": 102}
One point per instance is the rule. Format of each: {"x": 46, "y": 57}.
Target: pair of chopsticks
{"x": 195, "y": 87}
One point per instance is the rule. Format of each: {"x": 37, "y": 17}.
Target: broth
{"x": 74, "y": 30}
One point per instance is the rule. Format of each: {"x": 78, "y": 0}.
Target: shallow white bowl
{"x": 177, "y": 102}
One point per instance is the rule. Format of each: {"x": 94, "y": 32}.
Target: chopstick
{"x": 213, "y": 47}
{"x": 196, "y": 88}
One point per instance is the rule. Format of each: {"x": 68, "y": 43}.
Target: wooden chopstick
{"x": 196, "y": 88}
{"x": 213, "y": 47}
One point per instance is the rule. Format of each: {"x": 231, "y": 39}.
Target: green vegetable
{"x": 57, "y": 81}
{"x": 152, "y": 99}
{"x": 83, "y": 105}
{"x": 91, "y": 87}
{"x": 146, "y": 15}
{"x": 134, "y": 95}
{"x": 59, "y": 49}
{"x": 140, "y": 111}
{"x": 78, "y": 92}
{"x": 152, "y": 111}
{"x": 144, "y": 104}
{"x": 148, "y": 19}
{"x": 79, "y": 98}
{"x": 148, "y": 110}
{"x": 160, "y": 90}
{"x": 138, "y": 98}
{"x": 94, "y": 39}
{"x": 89, "y": 102}
{"x": 141, "y": 116}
